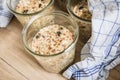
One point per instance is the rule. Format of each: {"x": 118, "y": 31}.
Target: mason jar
{"x": 25, "y": 9}
{"x": 61, "y": 4}
{"x": 79, "y": 11}
{"x": 54, "y": 58}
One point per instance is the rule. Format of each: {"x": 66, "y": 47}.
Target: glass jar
{"x": 78, "y": 9}
{"x": 25, "y": 9}
{"x": 51, "y": 62}
{"x": 61, "y": 4}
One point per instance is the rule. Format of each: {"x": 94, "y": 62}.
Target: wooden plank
{"x": 110, "y": 78}
{"x": 114, "y": 74}
{"x": 12, "y": 52}
{"x": 8, "y": 73}
{"x": 118, "y": 68}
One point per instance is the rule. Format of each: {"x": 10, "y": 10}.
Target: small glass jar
{"x": 54, "y": 62}
{"x": 25, "y": 9}
{"x": 61, "y": 4}
{"x": 78, "y": 9}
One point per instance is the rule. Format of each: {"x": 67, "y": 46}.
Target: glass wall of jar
{"x": 61, "y": 4}
{"x": 51, "y": 40}
{"x": 25, "y": 9}
{"x": 78, "y": 9}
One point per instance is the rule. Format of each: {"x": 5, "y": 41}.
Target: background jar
{"x": 61, "y": 4}
{"x": 25, "y": 17}
{"x": 84, "y": 21}
{"x": 56, "y": 62}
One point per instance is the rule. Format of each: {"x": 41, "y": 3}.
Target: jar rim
{"x": 13, "y": 11}
{"x": 24, "y": 31}
{"x": 72, "y": 13}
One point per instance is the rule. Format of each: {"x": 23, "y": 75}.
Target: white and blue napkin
{"x": 5, "y": 15}
{"x": 102, "y": 52}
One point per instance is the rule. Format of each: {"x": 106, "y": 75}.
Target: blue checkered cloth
{"x": 102, "y": 52}
{"x": 5, "y": 15}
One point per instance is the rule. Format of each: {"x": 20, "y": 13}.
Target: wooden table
{"x": 17, "y": 64}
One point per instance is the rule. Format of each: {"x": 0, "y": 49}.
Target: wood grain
{"x": 115, "y": 74}
{"x": 13, "y": 53}
{"x": 9, "y": 73}
{"x": 117, "y": 68}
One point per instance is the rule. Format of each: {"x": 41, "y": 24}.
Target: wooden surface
{"x": 17, "y": 64}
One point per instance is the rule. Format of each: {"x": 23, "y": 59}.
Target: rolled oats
{"x": 25, "y": 7}
{"x": 53, "y": 40}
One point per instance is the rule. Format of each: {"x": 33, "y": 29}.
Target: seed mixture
{"x": 52, "y": 40}
{"x": 31, "y": 6}
{"x": 81, "y": 10}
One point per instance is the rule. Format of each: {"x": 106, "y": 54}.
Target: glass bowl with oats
{"x": 79, "y": 11}
{"x": 25, "y": 9}
{"x": 51, "y": 42}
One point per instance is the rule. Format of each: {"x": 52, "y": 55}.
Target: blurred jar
{"x": 25, "y": 9}
{"x": 78, "y": 9}
{"x": 55, "y": 62}
{"x": 61, "y": 4}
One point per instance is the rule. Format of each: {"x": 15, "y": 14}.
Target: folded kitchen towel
{"x": 5, "y": 15}
{"x": 102, "y": 52}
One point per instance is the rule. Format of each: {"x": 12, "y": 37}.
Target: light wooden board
{"x": 13, "y": 53}
{"x": 9, "y": 73}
